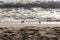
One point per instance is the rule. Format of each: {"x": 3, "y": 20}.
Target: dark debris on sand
{"x": 30, "y": 33}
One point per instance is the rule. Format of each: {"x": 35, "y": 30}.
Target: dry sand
{"x": 29, "y": 32}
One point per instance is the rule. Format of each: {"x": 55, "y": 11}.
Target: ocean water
{"x": 37, "y": 11}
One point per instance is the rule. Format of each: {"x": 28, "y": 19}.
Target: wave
{"x": 31, "y": 5}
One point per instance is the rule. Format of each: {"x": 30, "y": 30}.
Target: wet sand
{"x": 23, "y": 25}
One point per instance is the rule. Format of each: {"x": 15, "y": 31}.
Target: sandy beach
{"x": 23, "y": 25}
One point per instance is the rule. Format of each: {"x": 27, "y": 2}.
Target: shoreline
{"x": 24, "y": 25}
